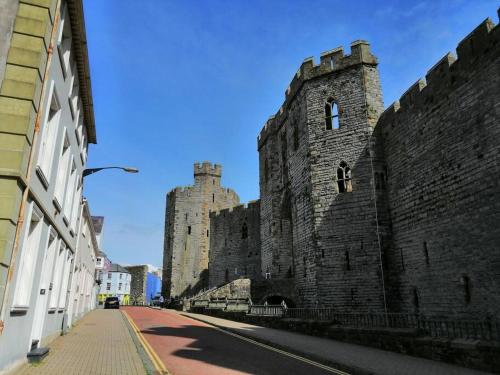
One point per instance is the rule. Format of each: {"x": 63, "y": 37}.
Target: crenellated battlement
{"x": 330, "y": 61}
{"x": 239, "y": 209}
{"x": 207, "y": 168}
{"x": 449, "y": 71}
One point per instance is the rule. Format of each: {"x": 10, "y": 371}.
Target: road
{"x": 189, "y": 347}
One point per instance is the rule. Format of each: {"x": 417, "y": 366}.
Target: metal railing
{"x": 465, "y": 329}
{"x": 434, "y": 327}
{"x": 422, "y": 325}
{"x": 267, "y": 310}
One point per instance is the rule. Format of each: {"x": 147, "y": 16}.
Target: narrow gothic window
{"x": 226, "y": 276}
{"x": 244, "y": 231}
{"x": 466, "y": 283}
{"x": 266, "y": 170}
{"x": 416, "y": 303}
{"x": 402, "y": 259}
{"x": 344, "y": 178}
{"x": 347, "y": 261}
{"x": 213, "y": 198}
{"x": 189, "y": 230}
{"x": 304, "y": 261}
{"x": 331, "y": 115}
{"x": 296, "y": 138}
{"x": 426, "y": 253}
{"x": 207, "y": 232}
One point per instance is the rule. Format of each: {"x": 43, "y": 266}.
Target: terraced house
{"x": 46, "y": 123}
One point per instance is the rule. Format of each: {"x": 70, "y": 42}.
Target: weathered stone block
{"x": 33, "y": 20}
{"x": 17, "y": 117}
{"x": 14, "y": 153}
{"x": 28, "y": 51}
{"x": 49, "y": 4}
{"x": 10, "y": 199}
{"x": 23, "y": 83}
{"x": 7, "y": 234}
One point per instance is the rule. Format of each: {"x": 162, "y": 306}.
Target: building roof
{"x": 79, "y": 46}
{"x": 117, "y": 268}
{"x": 98, "y": 222}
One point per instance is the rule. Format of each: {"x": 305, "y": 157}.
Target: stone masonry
{"x": 441, "y": 152}
{"x": 138, "y": 283}
{"x": 235, "y": 244}
{"x": 396, "y": 211}
{"x": 324, "y": 237}
{"x": 367, "y": 210}
{"x": 187, "y": 230}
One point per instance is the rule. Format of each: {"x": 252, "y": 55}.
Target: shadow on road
{"x": 216, "y": 348}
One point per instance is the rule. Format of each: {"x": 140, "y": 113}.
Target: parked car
{"x": 112, "y": 303}
{"x": 157, "y": 301}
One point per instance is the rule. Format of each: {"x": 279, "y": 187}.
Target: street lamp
{"x": 88, "y": 171}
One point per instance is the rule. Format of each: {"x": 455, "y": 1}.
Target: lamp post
{"x": 88, "y": 171}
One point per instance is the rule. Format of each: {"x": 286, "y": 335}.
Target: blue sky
{"x": 176, "y": 82}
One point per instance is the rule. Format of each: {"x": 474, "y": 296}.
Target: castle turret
{"x": 207, "y": 172}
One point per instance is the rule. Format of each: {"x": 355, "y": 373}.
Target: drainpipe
{"x": 20, "y": 219}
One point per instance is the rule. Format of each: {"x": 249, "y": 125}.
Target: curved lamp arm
{"x": 88, "y": 171}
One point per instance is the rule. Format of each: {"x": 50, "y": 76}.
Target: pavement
{"x": 141, "y": 340}
{"x": 355, "y": 359}
{"x": 100, "y": 343}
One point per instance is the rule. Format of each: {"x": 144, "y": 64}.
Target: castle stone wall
{"x": 187, "y": 230}
{"x": 441, "y": 144}
{"x": 235, "y": 244}
{"x": 394, "y": 210}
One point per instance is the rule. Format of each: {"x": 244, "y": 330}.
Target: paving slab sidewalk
{"x": 99, "y": 344}
{"x": 357, "y": 358}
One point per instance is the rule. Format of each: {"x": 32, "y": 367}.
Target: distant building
{"x": 102, "y": 266}
{"x": 115, "y": 283}
{"x": 145, "y": 283}
{"x": 98, "y": 223}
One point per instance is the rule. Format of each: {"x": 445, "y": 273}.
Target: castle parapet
{"x": 449, "y": 71}
{"x": 330, "y": 61}
{"x": 207, "y": 168}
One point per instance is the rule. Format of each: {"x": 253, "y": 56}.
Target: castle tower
{"x": 318, "y": 218}
{"x": 187, "y": 229}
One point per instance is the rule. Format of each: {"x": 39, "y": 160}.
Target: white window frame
{"x": 49, "y": 136}
{"x": 84, "y": 145}
{"x": 62, "y": 173}
{"x": 75, "y": 212}
{"x": 64, "y": 41}
{"x": 70, "y": 191}
{"x": 28, "y": 257}
{"x": 68, "y": 261}
{"x": 57, "y": 276}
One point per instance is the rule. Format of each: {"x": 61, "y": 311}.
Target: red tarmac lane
{"x": 190, "y": 347}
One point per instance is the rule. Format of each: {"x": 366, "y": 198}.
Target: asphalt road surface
{"x": 189, "y": 347}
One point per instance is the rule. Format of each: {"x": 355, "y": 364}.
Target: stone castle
{"x": 361, "y": 208}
